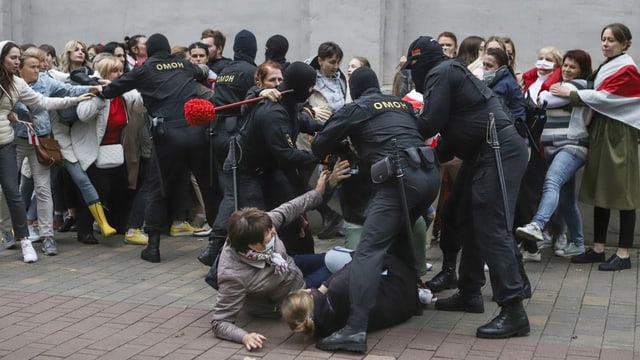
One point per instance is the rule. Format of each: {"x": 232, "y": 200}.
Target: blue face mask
{"x": 489, "y": 76}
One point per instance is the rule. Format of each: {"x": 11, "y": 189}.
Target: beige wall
{"x": 377, "y": 29}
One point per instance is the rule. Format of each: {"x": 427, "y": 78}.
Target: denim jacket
{"x": 49, "y": 87}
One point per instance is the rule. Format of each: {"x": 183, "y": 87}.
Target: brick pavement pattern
{"x": 103, "y": 302}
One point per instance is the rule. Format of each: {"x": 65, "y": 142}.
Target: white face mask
{"x": 544, "y": 65}
{"x": 270, "y": 245}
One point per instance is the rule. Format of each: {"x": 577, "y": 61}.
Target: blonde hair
{"x": 35, "y": 52}
{"x": 555, "y": 53}
{"x": 65, "y": 62}
{"x": 180, "y": 51}
{"x": 32, "y": 53}
{"x": 297, "y": 312}
{"x": 107, "y": 64}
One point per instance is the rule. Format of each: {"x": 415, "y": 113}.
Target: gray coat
{"x": 242, "y": 280}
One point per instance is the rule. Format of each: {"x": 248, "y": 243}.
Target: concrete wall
{"x": 377, "y": 29}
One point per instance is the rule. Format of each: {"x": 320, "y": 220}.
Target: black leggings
{"x": 601, "y": 224}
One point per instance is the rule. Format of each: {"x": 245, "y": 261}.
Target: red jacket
{"x": 531, "y": 76}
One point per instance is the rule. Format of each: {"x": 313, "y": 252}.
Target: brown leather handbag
{"x": 48, "y": 152}
{"x": 47, "y": 148}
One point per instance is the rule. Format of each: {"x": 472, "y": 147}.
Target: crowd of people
{"x": 148, "y": 149}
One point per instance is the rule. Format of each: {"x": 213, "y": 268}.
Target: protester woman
{"x": 611, "y": 177}
{"x": 12, "y": 90}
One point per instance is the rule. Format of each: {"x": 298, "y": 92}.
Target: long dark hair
{"x": 6, "y": 76}
{"x": 502, "y": 59}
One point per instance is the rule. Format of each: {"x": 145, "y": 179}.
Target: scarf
{"x": 616, "y": 92}
{"x": 280, "y": 265}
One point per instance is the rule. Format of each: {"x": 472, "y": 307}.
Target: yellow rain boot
{"x": 101, "y": 219}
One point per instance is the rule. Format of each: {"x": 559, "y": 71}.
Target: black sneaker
{"x": 615, "y": 263}
{"x": 68, "y": 224}
{"x": 589, "y": 256}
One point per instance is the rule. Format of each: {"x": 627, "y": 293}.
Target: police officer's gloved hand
{"x": 83, "y": 76}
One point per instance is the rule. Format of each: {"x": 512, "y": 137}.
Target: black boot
{"x": 512, "y": 321}
{"x": 462, "y": 302}
{"x": 445, "y": 279}
{"x": 209, "y": 254}
{"x": 152, "y": 252}
{"x": 331, "y": 221}
{"x": 347, "y": 338}
{"x": 87, "y": 238}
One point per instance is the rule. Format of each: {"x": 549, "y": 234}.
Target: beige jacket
{"x": 22, "y": 92}
{"x": 243, "y": 281}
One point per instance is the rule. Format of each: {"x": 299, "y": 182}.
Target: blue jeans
{"x": 560, "y": 190}
{"x": 80, "y": 178}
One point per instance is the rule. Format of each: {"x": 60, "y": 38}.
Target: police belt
{"x": 414, "y": 157}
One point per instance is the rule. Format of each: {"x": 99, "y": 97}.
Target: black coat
{"x": 396, "y": 300}
{"x": 165, "y": 82}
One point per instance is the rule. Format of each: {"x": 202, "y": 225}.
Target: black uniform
{"x": 232, "y": 84}
{"x": 217, "y": 65}
{"x": 396, "y": 299}
{"x": 457, "y": 105}
{"x": 373, "y": 121}
{"x": 166, "y": 82}
{"x": 270, "y": 157}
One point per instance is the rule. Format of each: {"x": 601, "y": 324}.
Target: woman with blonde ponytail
{"x": 320, "y": 312}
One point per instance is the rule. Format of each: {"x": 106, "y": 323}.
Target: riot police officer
{"x": 384, "y": 132}
{"x": 232, "y": 84}
{"x": 166, "y": 82}
{"x": 270, "y": 155}
{"x": 475, "y": 128}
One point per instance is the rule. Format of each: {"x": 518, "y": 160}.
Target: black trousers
{"x": 384, "y": 224}
{"x": 249, "y": 191}
{"x": 187, "y": 146}
{"x": 117, "y": 198}
{"x": 486, "y": 230}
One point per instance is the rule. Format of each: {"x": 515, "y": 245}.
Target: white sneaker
{"x": 29, "y": 254}
{"x": 571, "y": 250}
{"x": 34, "y": 233}
{"x": 534, "y": 257}
{"x": 561, "y": 242}
{"x": 426, "y": 296}
{"x": 531, "y": 232}
{"x": 204, "y": 231}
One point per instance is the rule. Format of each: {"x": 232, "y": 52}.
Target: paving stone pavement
{"x": 103, "y": 302}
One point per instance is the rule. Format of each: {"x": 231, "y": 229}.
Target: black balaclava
{"x": 245, "y": 46}
{"x": 300, "y": 77}
{"x": 158, "y": 43}
{"x": 428, "y": 54}
{"x": 277, "y": 47}
{"x": 362, "y": 79}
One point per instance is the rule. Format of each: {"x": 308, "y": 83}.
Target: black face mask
{"x": 300, "y": 77}
{"x": 361, "y": 80}
{"x": 421, "y": 69}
